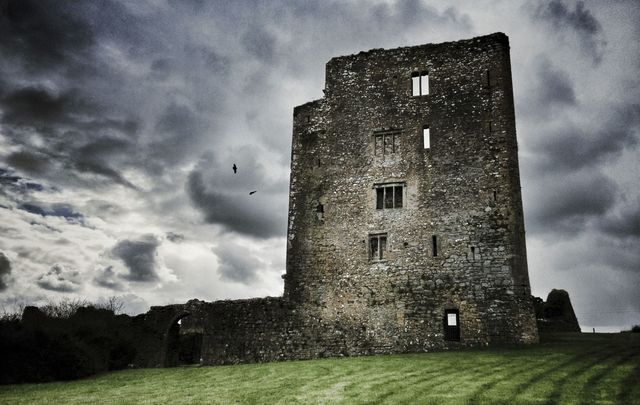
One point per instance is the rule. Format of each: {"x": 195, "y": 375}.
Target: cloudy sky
{"x": 120, "y": 121}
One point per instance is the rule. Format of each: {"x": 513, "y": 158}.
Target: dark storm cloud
{"x": 44, "y": 109}
{"x": 79, "y": 137}
{"x": 60, "y": 279}
{"x": 34, "y": 107}
{"x": 5, "y": 270}
{"x": 223, "y": 197}
{"x": 567, "y": 204}
{"x": 571, "y": 147}
{"x": 108, "y": 278}
{"x": 579, "y": 20}
{"x": 29, "y": 162}
{"x": 236, "y": 263}
{"x": 17, "y": 184}
{"x": 86, "y": 166}
{"x": 65, "y": 211}
{"x": 550, "y": 94}
{"x": 42, "y": 33}
{"x": 623, "y": 225}
{"x": 555, "y": 85}
{"x": 178, "y": 129}
{"x": 140, "y": 258}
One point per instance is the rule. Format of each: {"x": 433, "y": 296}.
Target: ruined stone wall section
{"x": 464, "y": 189}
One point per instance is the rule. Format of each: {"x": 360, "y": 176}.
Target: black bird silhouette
{"x": 235, "y": 168}
{"x": 253, "y": 192}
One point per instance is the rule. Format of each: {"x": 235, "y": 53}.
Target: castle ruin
{"x": 406, "y": 231}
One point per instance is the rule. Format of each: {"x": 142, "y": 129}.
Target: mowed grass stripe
{"x": 512, "y": 370}
{"x": 580, "y": 369}
{"x": 607, "y": 373}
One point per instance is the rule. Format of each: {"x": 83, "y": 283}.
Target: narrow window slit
{"x": 434, "y": 243}
{"x": 320, "y": 211}
{"x": 415, "y": 84}
{"x": 426, "y": 137}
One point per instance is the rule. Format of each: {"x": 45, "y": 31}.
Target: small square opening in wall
{"x": 377, "y": 246}
{"x": 426, "y": 137}
{"x": 386, "y": 143}
{"x": 389, "y": 196}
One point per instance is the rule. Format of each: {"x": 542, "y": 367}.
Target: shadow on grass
{"x": 559, "y": 385}
{"x": 631, "y": 380}
{"x": 593, "y": 382}
{"x": 455, "y": 374}
{"x": 476, "y": 396}
{"x": 416, "y": 379}
{"x": 544, "y": 374}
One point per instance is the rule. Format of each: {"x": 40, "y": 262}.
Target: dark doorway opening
{"x": 452, "y": 325}
{"x": 184, "y": 343}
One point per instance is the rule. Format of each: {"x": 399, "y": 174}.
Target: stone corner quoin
{"x": 406, "y": 230}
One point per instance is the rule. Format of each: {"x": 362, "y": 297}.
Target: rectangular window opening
{"x": 377, "y": 246}
{"x": 426, "y": 137}
{"x": 386, "y": 143}
{"x": 473, "y": 253}
{"x": 389, "y": 196}
{"x": 419, "y": 84}
{"x": 424, "y": 83}
{"x": 397, "y": 197}
{"x": 415, "y": 84}
{"x": 379, "y": 198}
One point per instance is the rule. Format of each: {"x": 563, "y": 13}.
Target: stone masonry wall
{"x": 457, "y": 242}
{"x": 464, "y": 190}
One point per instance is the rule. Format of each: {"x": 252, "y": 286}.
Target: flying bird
{"x": 235, "y": 168}
{"x": 253, "y": 192}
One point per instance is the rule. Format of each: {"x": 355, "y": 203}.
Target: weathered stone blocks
{"x": 391, "y": 246}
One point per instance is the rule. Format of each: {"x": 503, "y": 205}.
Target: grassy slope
{"x": 577, "y": 369}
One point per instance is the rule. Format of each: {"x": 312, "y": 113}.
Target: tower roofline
{"x": 496, "y": 37}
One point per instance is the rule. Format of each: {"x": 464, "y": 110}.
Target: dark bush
{"x": 635, "y": 329}
{"x": 83, "y": 342}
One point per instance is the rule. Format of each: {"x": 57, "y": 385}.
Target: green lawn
{"x": 570, "y": 369}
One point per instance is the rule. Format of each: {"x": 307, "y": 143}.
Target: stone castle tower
{"x": 406, "y": 231}
{"x": 405, "y": 214}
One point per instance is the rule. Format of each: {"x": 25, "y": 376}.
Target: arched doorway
{"x": 184, "y": 342}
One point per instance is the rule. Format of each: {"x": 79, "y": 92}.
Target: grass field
{"x": 569, "y": 369}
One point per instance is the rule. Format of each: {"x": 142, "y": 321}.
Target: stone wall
{"x": 464, "y": 190}
{"x": 556, "y": 314}
{"x": 451, "y": 238}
